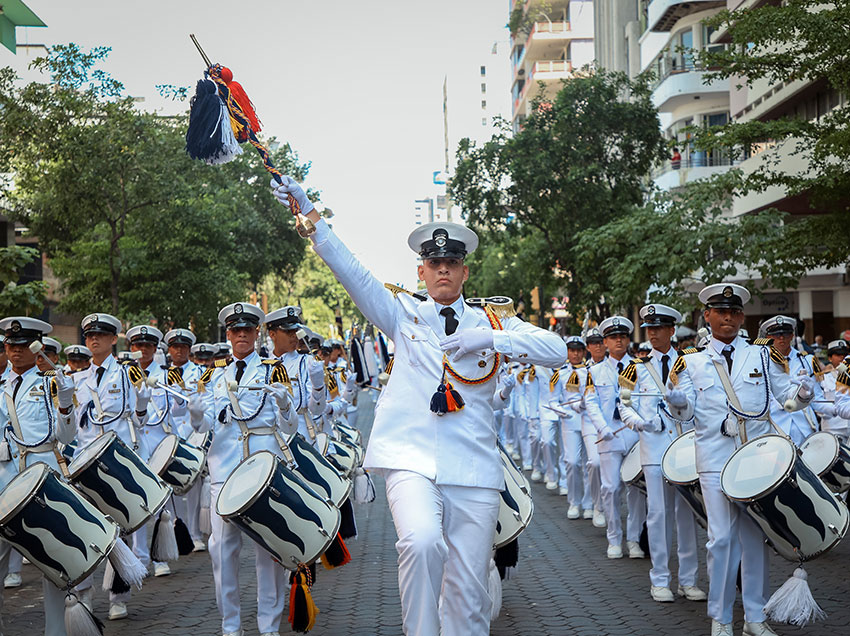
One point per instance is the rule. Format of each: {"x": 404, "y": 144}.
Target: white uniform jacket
{"x": 179, "y": 412}
{"x": 309, "y": 401}
{"x": 458, "y": 448}
{"x": 571, "y": 418}
{"x": 833, "y": 424}
{"x": 602, "y": 402}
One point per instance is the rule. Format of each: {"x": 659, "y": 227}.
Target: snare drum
{"x": 344, "y": 455}
{"x": 118, "y": 482}
{"x": 278, "y": 510}
{"x": 513, "y": 469}
{"x": 515, "y": 506}
{"x": 317, "y": 471}
{"x": 53, "y": 526}
{"x": 201, "y": 440}
{"x": 800, "y": 516}
{"x": 349, "y": 431}
{"x": 178, "y": 463}
{"x": 679, "y": 467}
{"x": 631, "y": 470}
{"x": 829, "y": 459}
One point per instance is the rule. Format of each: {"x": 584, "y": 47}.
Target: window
{"x": 483, "y": 103}
{"x": 483, "y": 71}
{"x": 483, "y": 121}
{"x": 483, "y": 87}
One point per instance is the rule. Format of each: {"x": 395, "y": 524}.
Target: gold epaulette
{"x": 501, "y": 306}
{"x": 678, "y": 367}
{"x": 779, "y": 359}
{"x": 573, "y": 384}
{"x": 554, "y": 381}
{"x": 48, "y": 374}
{"x": 205, "y": 378}
{"x": 280, "y": 376}
{"x": 136, "y": 375}
{"x": 589, "y": 386}
{"x": 220, "y": 363}
{"x": 396, "y": 290}
{"x": 331, "y": 383}
{"x": 763, "y": 342}
{"x": 641, "y": 360}
{"x": 688, "y": 351}
{"x": 817, "y": 369}
{"x": 532, "y": 373}
{"x": 628, "y": 376}
{"x": 389, "y": 368}
{"x": 842, "y": 382}
{"x": 175, "y": 377}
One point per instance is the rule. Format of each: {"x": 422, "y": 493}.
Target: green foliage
{"x": 16, "y": 299}
{"x": 131, "y": 225}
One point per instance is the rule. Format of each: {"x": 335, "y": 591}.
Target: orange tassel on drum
{"x": 336, "y": 555}
{"x": 302, "y": 609}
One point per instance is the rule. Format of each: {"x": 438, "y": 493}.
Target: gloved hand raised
{"x": 289, "y": 186}
{"x": 143, "y": 397}
{"x": 316, "y": 371}
{"x": 466, "y": 341}
{"x": 677, "y": 398}
{"x": 196, "y": 411}
{"x": 806, "y": 384}
{"x": 508, "y": 383}
{"x": 606, "y": 433}
{"x": 64, "y": 390}
{"x": 280, "y": 394}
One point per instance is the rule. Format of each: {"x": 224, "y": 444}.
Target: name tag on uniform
{"x": 114, "y": 391}
{"x": 36, "y": 393}
{"x": 756, "y": 374}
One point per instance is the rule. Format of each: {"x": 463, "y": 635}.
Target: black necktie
{"x": 665, "y": 368}
{"x": 619, "y": 368}
{"x": 100, "y": 371}
{"x": 240, "y": 369}
{"x": 451, "y": 321}
{"x": 616, "y": 416}
{"x": 18, "y": 381}
{"x": 727, "y": 353}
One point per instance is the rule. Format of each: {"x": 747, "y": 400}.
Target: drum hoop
{"x": 776, "y": 484}
{"x": 170, "y": 455}
{"x": 520, "y": 531}
{"x": 38, "y": 484}
{"x": 835, "y": 455}
{"x": 115, "y": 537}
{"x": 256, "y": 495}
{"x": 667, "y": 450}
{"x": 73, "y": 474}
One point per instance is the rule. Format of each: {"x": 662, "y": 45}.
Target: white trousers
{"x": 549, "y": 430}
{"x": 536, "y": 444}
{"x": 663, "y": 504}
{"x": 16, "y": 562}
{"x": 509, "y": 430}
{"x": 733, "y": 538}
{"x": 444, "y": 546}
{"x": 593, "y": 471}
{"x": 612, "y": 488}
{"x": 54, "y": 598}
{"x": 522, "y": 436}
{"x": 193, "y": 510}
{"x": 573, "y": 468}
{"x": 272, "y": 579}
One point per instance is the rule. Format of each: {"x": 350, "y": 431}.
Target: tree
{"x": 578, "y": 163}
{"x": 19, "y": 299}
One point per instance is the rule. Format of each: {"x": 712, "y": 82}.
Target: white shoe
{"x": 85, "y": 597}
{"x": 161, "y": 569}
{"x": 551, "y": 485}
{"x": 599, "y": 519}
{"x": 587, "y": 514}
{"x": 515, "y": 456}
{"x": 573, "y": 512}
{"x": 661, "y": 594}
{"x": 200, "y": 546}
{"x": 758, "y": 629}
{"x": 117, "y": 611}
{"x": 270, "y": 634}
{"x": 615, "y": 552}
{"x": 25, "y": 561}
{"x": 536, "y": 475}
{"x": 721, "y": 629}
{"x": 236, "y": 633}
{"x": 692, "y": 593}
{"x": 525, "y": 468}
{"x": 13, "y": 579}
{"x": 634, "y": 550}
{"x": 563, "y": 491}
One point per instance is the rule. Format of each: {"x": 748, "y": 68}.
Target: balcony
{"x": 699, "y": 165}
{"x": 681, "y": 82}
{"x": 662, "y": 15}
{"x": 548, "y": 38}
{"x": 543, "y": 71}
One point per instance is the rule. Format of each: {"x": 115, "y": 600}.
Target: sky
{"x": 354, "y": 87}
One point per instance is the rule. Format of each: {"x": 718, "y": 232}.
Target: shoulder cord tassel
{"x": 302, "y": 609}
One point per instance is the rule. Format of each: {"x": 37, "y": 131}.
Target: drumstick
{"x": 234, "y": 386}
{"x": 156, "y": 384}
{"x": 558, "y": 411}
{"x": 37, "y": 348}
{"x": 599, "y": 441}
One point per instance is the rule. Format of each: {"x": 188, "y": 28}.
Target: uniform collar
{"x": 12, "y": 375}
{"x": 656, "y": 354}
{"x": 457, "y": 305}
{"x": 108, "y": 363}
{"x": 625, "y": 360}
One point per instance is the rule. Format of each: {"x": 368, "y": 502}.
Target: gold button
{"x": 482, "y": 364}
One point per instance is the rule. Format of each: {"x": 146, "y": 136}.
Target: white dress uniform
{"x": 549, "y": 426}
{"x": 532, "y": 412}
{"x": 833, "y": 423}
{"x": 576, "y": 390}
{"x": 733, "y": 537}
{"x": 521, "y": 419}
{"x": 443, "y": 473}
{"x": 657, "y": 431}
{"x": 228, "y": 449}
{"x": 41, "y": 427}
{"x": 602, "y": 406}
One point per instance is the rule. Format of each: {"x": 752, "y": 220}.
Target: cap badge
{"x": 290, "y": 311}
{"x": 615, "y": 322}
{"x": 651, "y": 310}
{"x": 143, "y": 331}
{"x": 237, "y": 308}
{"x": 727, "y": 292}
{"x": 16, "y": 326}
{"x": 779, "y": 321}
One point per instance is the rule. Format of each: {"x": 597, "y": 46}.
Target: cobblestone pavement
{"x": 564, "y": 585}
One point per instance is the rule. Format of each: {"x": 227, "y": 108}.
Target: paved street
{"x": 564, "y": 585}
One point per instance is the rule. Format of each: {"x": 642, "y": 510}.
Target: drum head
{"x": 85, "y": 456}
{"x": 631, "y": 467}
{"x": 819, "y": 451}
{"x": 162, "y": 454}
{"x": 247, "y": 481}
{"x": 757, "y": 467}
{"x": 679, "y": 464}
{"x": 21, "y": 488}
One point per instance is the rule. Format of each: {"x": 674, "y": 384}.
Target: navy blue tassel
{"x": 185, "y": 545}
{"x": 203, "y": 138}
{"x": 439, "y": 404}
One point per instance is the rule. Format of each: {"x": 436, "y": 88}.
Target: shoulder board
{"x": 279, "y": 375}
{"x": 396, "y": 290}
{"x": 271, "y": 361}
{"x": 502, "y": 306}
{"x": 641, "y": 360}
{"x": 206, "y": 376}
{"x": 678, "y": 366}
{"x": 47, "y": 374}
{"x": 817, "y": 369}
{"x": 135, "y": 374}
{"x": 572, "y": 383}
{"x": 628, "y": 376}
{"x": 689, "y": 350}
{"x": 553, "y": 382}
{"x": 842, "y": 382}
{"x": 764, "y": 342}
{"x": 589, "y": 386}
{"x": 778, "y": 358}
{"x": 389, "y": 368}
{"x": 220, "y": 363}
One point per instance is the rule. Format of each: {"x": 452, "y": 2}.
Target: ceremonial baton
{"x": 154, "y": 383}
{"x": 37, "y": 348}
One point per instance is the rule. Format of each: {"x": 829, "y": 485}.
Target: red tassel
{"x": 241, "y": 97}
{"x": 336, "y": 555}
{"x": 302, "y": 609}
{"x": 453, "y": 400}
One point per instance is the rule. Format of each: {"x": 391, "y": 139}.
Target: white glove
{"x": 842, "y": 409}
{"x": 351, "y": 383}
{"x": 578, "y": 405}
{"x": 196, "y": 411}
{"x": 606, "y": 433}
{"x": 652, "y": 425}
{"x": 280, "y": 395}
{"x": 64, "y": 391}
{"x": 316, "y": 371}
{"x": 143, "y": 396}
{"x": 281, "y": 191}
{"x": 329, "y": 409}
{"x": 508, "y": 384}
{"x": 466, "y": 341}
{"x": 828, "y": 410}
{"x": 806, "y": 384}
{"x": 677, "y": 398}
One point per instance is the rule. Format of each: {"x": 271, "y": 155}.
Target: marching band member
{"x": 244, "y": 422}
{"x": 107, "y": 402}
{"x": 204, "y": 354}
{"x": 79, "y": 359}
{"x": 32, "y": 426}
{"x": 532, "y": 413}
{"x": 837, "y": 351}
{"x": 438, "y": 455}
{"x": 51, "y": 348}
{"x": 646, "y": 414}
{"x": 592, "y": 471}
{"x": 521, "y": 418}
{"x": 730, "y": 374}
{"x": 549, "y": 426}
{"x": 614, "y": 440}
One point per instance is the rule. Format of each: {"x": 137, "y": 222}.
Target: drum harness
{"x": 99, "y": 420}
{"x": 661, "y": 406}
{"x": 48, "y": 443}
{"x": 235, "y": 413}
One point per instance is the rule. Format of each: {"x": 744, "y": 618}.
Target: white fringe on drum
{"x": 165, "y": 547}
{"x": 793, "y": 602}
{"x": 495, "y": 585}
{"x": 126, "y": 564}
{"x": 364, "y": 489}
{"x": 79, "y": 621}
{"x": 204, "y": 522}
